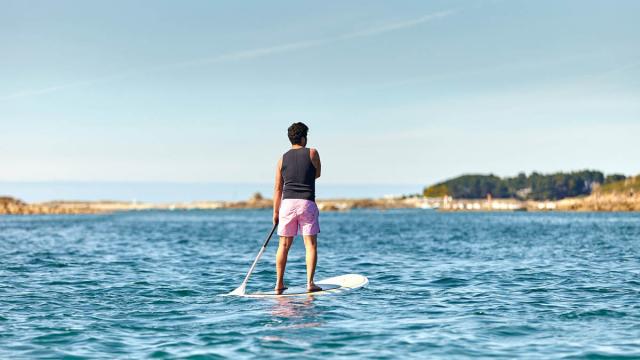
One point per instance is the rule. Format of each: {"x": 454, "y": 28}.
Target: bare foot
{"x": 313, "y": 288}
{"x": 280, "y": 289}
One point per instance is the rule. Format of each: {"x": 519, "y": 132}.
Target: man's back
{"x": 298, "y": 174}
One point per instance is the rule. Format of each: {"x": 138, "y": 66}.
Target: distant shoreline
{"x": 620, "y": 195}
{"x": 595, "y": 202}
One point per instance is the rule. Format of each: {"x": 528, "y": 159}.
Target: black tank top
{"x": 298, "y": 174}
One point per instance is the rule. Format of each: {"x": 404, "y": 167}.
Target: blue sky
{"x": 395, "y": 92}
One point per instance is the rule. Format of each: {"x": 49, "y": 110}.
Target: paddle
{"x": 243, "y": 288}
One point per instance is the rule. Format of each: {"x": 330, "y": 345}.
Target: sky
{"x": 394, "y": 92}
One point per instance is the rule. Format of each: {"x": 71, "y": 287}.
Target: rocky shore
{"x": 12, "y": 206}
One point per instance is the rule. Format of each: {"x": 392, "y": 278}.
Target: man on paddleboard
{"x": 294, "y": 206}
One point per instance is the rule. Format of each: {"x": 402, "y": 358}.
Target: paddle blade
{"x": 240, "y": 291}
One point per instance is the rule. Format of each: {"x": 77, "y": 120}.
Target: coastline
{"x": 596, "y": 202}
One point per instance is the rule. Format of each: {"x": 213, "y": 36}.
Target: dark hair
{"x": 297, "y": 131}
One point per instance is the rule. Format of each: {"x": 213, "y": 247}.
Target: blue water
{"x": 442, "y": 285}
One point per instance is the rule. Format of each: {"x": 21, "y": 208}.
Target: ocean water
{"x": 442, "y": 285}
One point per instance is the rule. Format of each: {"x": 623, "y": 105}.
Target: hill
{"x": 535, "y": 186}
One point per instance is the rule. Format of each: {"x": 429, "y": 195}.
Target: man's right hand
{"x": 275, "y": 217}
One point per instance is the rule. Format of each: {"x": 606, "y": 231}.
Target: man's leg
{"x": 311, "y": 245}
{"x": 281, "y": 261}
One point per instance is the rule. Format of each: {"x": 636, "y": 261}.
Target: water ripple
{"x": 146, "y": 285}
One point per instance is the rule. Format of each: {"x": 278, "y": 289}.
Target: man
{"x": 294, "y": 206}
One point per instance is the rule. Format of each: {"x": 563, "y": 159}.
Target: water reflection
{"x": 301, "y": 311}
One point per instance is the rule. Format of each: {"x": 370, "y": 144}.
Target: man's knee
{"x": 285, "y": 243}
{"x": 311, "y": 240}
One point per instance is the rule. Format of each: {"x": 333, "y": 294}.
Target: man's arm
{"x": 277, "y": 192}
{"x": 315, "y": 160}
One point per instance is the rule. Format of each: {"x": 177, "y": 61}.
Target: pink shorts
{"x": 298, "y": 217}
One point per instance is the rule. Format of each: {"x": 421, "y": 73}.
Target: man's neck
{"x": 297, "y": 146}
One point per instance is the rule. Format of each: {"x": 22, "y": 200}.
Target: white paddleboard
{"x": 332, "y": 285}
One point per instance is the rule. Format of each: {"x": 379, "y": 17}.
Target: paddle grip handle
{"x": 266, "y": 242}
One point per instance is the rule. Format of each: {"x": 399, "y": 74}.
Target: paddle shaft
{"x": 264, "y": 246}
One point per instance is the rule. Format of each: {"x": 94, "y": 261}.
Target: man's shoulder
{"x": 314, "y": 155}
